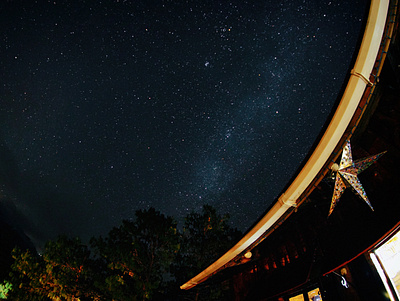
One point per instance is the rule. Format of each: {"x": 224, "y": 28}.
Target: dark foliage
{"x": 143, "y": 259}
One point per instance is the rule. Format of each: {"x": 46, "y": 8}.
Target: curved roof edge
{"x": 358, "y": 81}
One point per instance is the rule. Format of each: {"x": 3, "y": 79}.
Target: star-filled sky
{"x": 107, "y": 107}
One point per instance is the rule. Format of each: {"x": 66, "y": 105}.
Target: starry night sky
{"x": 107, "y": 107}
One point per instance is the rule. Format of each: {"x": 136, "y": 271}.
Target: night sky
{"x": 107, "y": 107}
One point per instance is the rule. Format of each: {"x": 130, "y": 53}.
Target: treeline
{"x": 143, "y": 259}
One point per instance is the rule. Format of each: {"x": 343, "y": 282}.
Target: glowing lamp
{"x": 248, "y": 255}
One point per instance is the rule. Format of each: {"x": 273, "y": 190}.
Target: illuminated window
{"x": 386, "y": 259}
{"x": 297, "y": 298}
{"x": 314, "y": 295}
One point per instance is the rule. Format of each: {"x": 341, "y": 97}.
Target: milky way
{"x": 113, "y": 106}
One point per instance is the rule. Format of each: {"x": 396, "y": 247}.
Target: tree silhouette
{"x": 64, "y": 272}
{"x": 206, "y": 236}
{"x": 138, "y": 254}
{"x": 143, "y": 259}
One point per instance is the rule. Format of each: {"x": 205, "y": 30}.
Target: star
{"x": 346, "y": 175}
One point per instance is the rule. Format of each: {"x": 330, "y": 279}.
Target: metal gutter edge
{"x": 353, "y": 93}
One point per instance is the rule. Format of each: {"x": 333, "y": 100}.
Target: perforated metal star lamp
{"x": 346, "y": 175}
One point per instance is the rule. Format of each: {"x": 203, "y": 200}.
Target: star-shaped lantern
{"x": 346, "y": 175}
